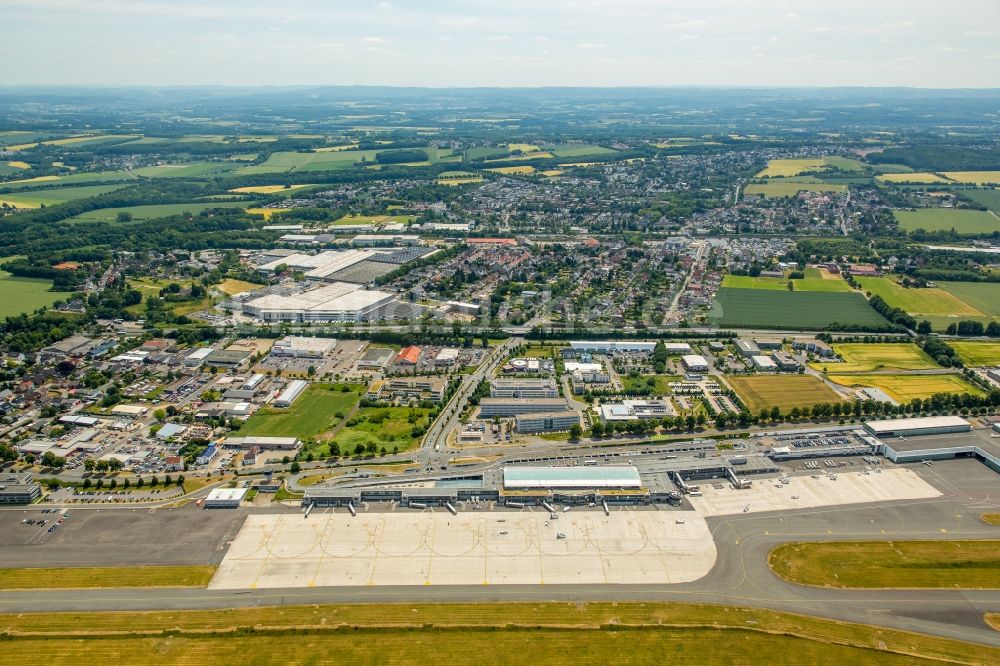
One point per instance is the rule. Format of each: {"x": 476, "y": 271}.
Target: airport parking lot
{"x": 495, "y": 548}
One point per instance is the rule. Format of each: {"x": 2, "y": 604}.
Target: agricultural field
{"x": 812, "y": 282}
{"x": 196, "y": 170}
{"x": 750, "y": 282}
{"x": 268, "y": 189}
{"x": 513, "y": 170}
{"x": 90, "y": 140}
{"x": 935, "y": 304}
{"x": 523, "y": 147}
{"x": 976, "y": 353}
{"x": 24, "y": 295}
{"x": 945, "y": 219}
{"x": 791, "y": 309}
{"x": 458, "y": 178}
{"x": 983, "y": 296}
{"x": 69, "y": 179}
{"x": 974, "y": 177}
{"x": 391, "y": 428}
{"x": 575, "y": 150}
{"x": 861, "y": 357}
{"x": 890, "y": 564}
{"x": 154, "y": 211}
{"x": 781, "y": 391}
{"x": 791, "y": 167}
{"x": 313, "y": 413}
{"x": 905, "y": 388}
{"x": 372, "y": 219}
{"x": 988, "y": 198}
{"x": 443, "y": 633}
{"x": 56, "y": 195}
{"x": 918, "y": 177}
{"x": 791, "y": 189}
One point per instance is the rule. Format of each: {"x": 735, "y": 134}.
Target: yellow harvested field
{"x": 268, "y": 189}
{"x": 553, "y": 172}
{"x": 861, "y": 357}
{"x": 109, "y": 577}
{"x": 25, "y": 181}
{"x": 905, "y": 388}
{"x": 791, "y": 167}
{"x": 918, "y": 177}
{"x": 266, "y": 212}
{"x": 458, "y": 181}
{"x": 19, "y": 165}
{"x": 513, "y": 169}
{"x": 230, "y": 286}
{"x": 526, "y": 156}
{"x": 335, "y": 149}
{"x": 977, "y": 177}
{"x": 523, "y": 147}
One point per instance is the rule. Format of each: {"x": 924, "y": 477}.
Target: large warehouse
{"x": 225, "y": 498}
{"x": 612, "y": 346}
{"x": 582, "y": 478}
{"x": 925, "y": 425}
{"x": 337, "y": 301}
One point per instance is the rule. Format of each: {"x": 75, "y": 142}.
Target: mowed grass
{"x": 24, "y": 295}
{"x": 925, "y": 301}
{"x": 781, "y": 391}
{"x": 613, "y": 633}
{"x": 154, "y": 211}
{"x": 945, "y": 219}
{"x": 861, "y": 357}
{"x": 56, "y": 195}
{"x": 790, "y": 189}
{"x": 314, "y": 412}
{"x": 905, "y": 388}
{"x": 977, "y": 353}
{"x": 809, "y": 283}
{"x": 105, "y": 577}
{"x": 894, "y": 564}
{"x": 981, "y": 296}
{"x": 791, "y": 309}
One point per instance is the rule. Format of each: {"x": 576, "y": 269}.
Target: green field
{"x": 791, "y": 189}
{"x": 69, "y": 179}
{"x": 982, "y": 296}
{"x": 861, "y": 357}
{"x": 988, "y": 198}
{"x": 945, "y": 219}
{"x": 782, "y": 391}
{"x": 660, "y": 383}
{"x": 574, "y": 150}
{"x": 154, "y": 211}
{"x": 56, "y": 195}
{"x": 388, "y": 427}
{"x": 812, "y": 282}
{"x": 905, "y": 388}
{"x": 105, "y": 577}
{"x": 977, "y": 353}
{"x": 287, "y": 161}
{"x": 938, "y": 305}
{"x": 408, "y": 633}
{"x": 896, "y": 564}
{"x": 313, "y": 413}
{"x": 24, "y": 295}
{"x": 791, "y": 309}
{"x": 186, "y": 170}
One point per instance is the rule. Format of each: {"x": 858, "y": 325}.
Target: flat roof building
{"x": 612, "y": 346}
{"x": 225, "y": 498}
{"x": 747, "y": 348}
{"x": 763, "y": 363}
{"x": 624, "y": 476}
{"x": 18, "y": 488}
{"x": 291, "y": 392}
{"x": 513, "y": 406}
{"x": 924, "y": 425}
{"x": 523, "y": 388}
{"x": 547, "y": 421}
{"x": 298, "y": 346}
{"x": 337, "y": 301}
{"x": 695, "y": 363}
{"x": 280, "y": 443}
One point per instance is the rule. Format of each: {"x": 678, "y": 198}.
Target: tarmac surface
{"x": 740, "y": 575}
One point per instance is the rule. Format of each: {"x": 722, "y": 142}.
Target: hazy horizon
{"x": 451, "y": 44}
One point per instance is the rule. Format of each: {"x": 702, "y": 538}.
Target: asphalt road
{"x": 740, "y": 576}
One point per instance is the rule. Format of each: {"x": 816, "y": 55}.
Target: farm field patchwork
{"x": 812, "y": 282}
{"x": 791, "y": 167}
{"x": 977, "y": 353}
{"x": 895, "y": 564}
{"x": 69, "y": 179}
{"x": 791, "y": 309}
{"x": 921, "y": 177}
{"x": 988, "y": 198}
{"x": 56, "y": 195}
{"x": 791, "y": 189}
{"x": 578, "y": 150}
{"x": 22, "y": 295}
{"x": 935, "y": 304}
{"x": 782, "y": 391}
{"x": 974, "y": 177}
{"x": 154, "y": 211}
{"x": 313, "y": 413}
{"x": 944, "y": 219}
{"x": 185, "y": 170}
{"x": 513, "y": 170}
{"x": 861, "y": 357}
{"x": 983, "y": 296}
{"x": 905, "y": 388}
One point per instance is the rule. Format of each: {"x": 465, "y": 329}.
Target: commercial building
{"x": 227, "y": 358}
{"x": 207, "y": 456}
{"x": 677, "y": 348}
{"x": 547, "y": 421}
{"x": 631, "y": 410}
{"x": 747, "y": 348}
{"x": 924, "y": 425}
{"x": 197, "y": 357}
{"x": 376, "y": 358}
{"x": 763, "y": 363}
{"x": 291, "y": 392}
{"x": 409, "y": 355}
{"x": 582, "y": 478}
{"x": 318, "y": 266}
{"x": 446, "y": 357}
{"x": 612, "y": 346}
{"x": 785, "y": 362}
{"x": 77, "y": 420}
{"x": 170, "y": 430}
{"x": 297, "y": 346}
{"x": 513, "y": 406}
{"x": 695, "y": 363}
{"x": 269, "y": 443}
{"x": 459, "y": 307}
{"x": 421, "y": 388}
{"x": 337, "y": 301}
{"x": 769, "y": 343}
{"x": 18, "y": 488}
{"x": 524, "y": 388}
{"x": 225, "y": 498}
{"x": 129, "y": 411}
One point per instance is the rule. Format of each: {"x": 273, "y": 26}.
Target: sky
{"x": 447, "y": 43}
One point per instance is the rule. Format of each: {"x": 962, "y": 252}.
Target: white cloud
{"x": 373, "y": 40}
{"x": 590, "y": 45}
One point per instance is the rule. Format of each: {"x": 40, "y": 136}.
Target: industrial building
{"x": 446, "y": 357}
{"x": 291, "y": 392}
{"x": 225, "y": 498}
{"x": 409, "y": 355}
{"x": 524, "y": 388}
{"x": 228, "y": 358}
{"x": 513, "y": 406}
{"x": 271, "y": 443}
{"x": 747, "y": 348}
{"x": 18, "y": 488}
{"x": 458, "y": 307}
{"x": 337, "y": 301}
{"x": 695, "y": 363}
{"x": 547, "y": 421}
{"x": 677, "y": 348}
{"x": 924, "y": 425}
{"x": 612, "y": 346}
{"x": 581, "y": 478}
{"x": 763, "y": 363}
{"x": 197, "y": 357}
{"x": 170, "y": 430}
{"x": 631, "y": 410}
{"x": 297, "y": 346}
{"x": 421, "y": 388}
